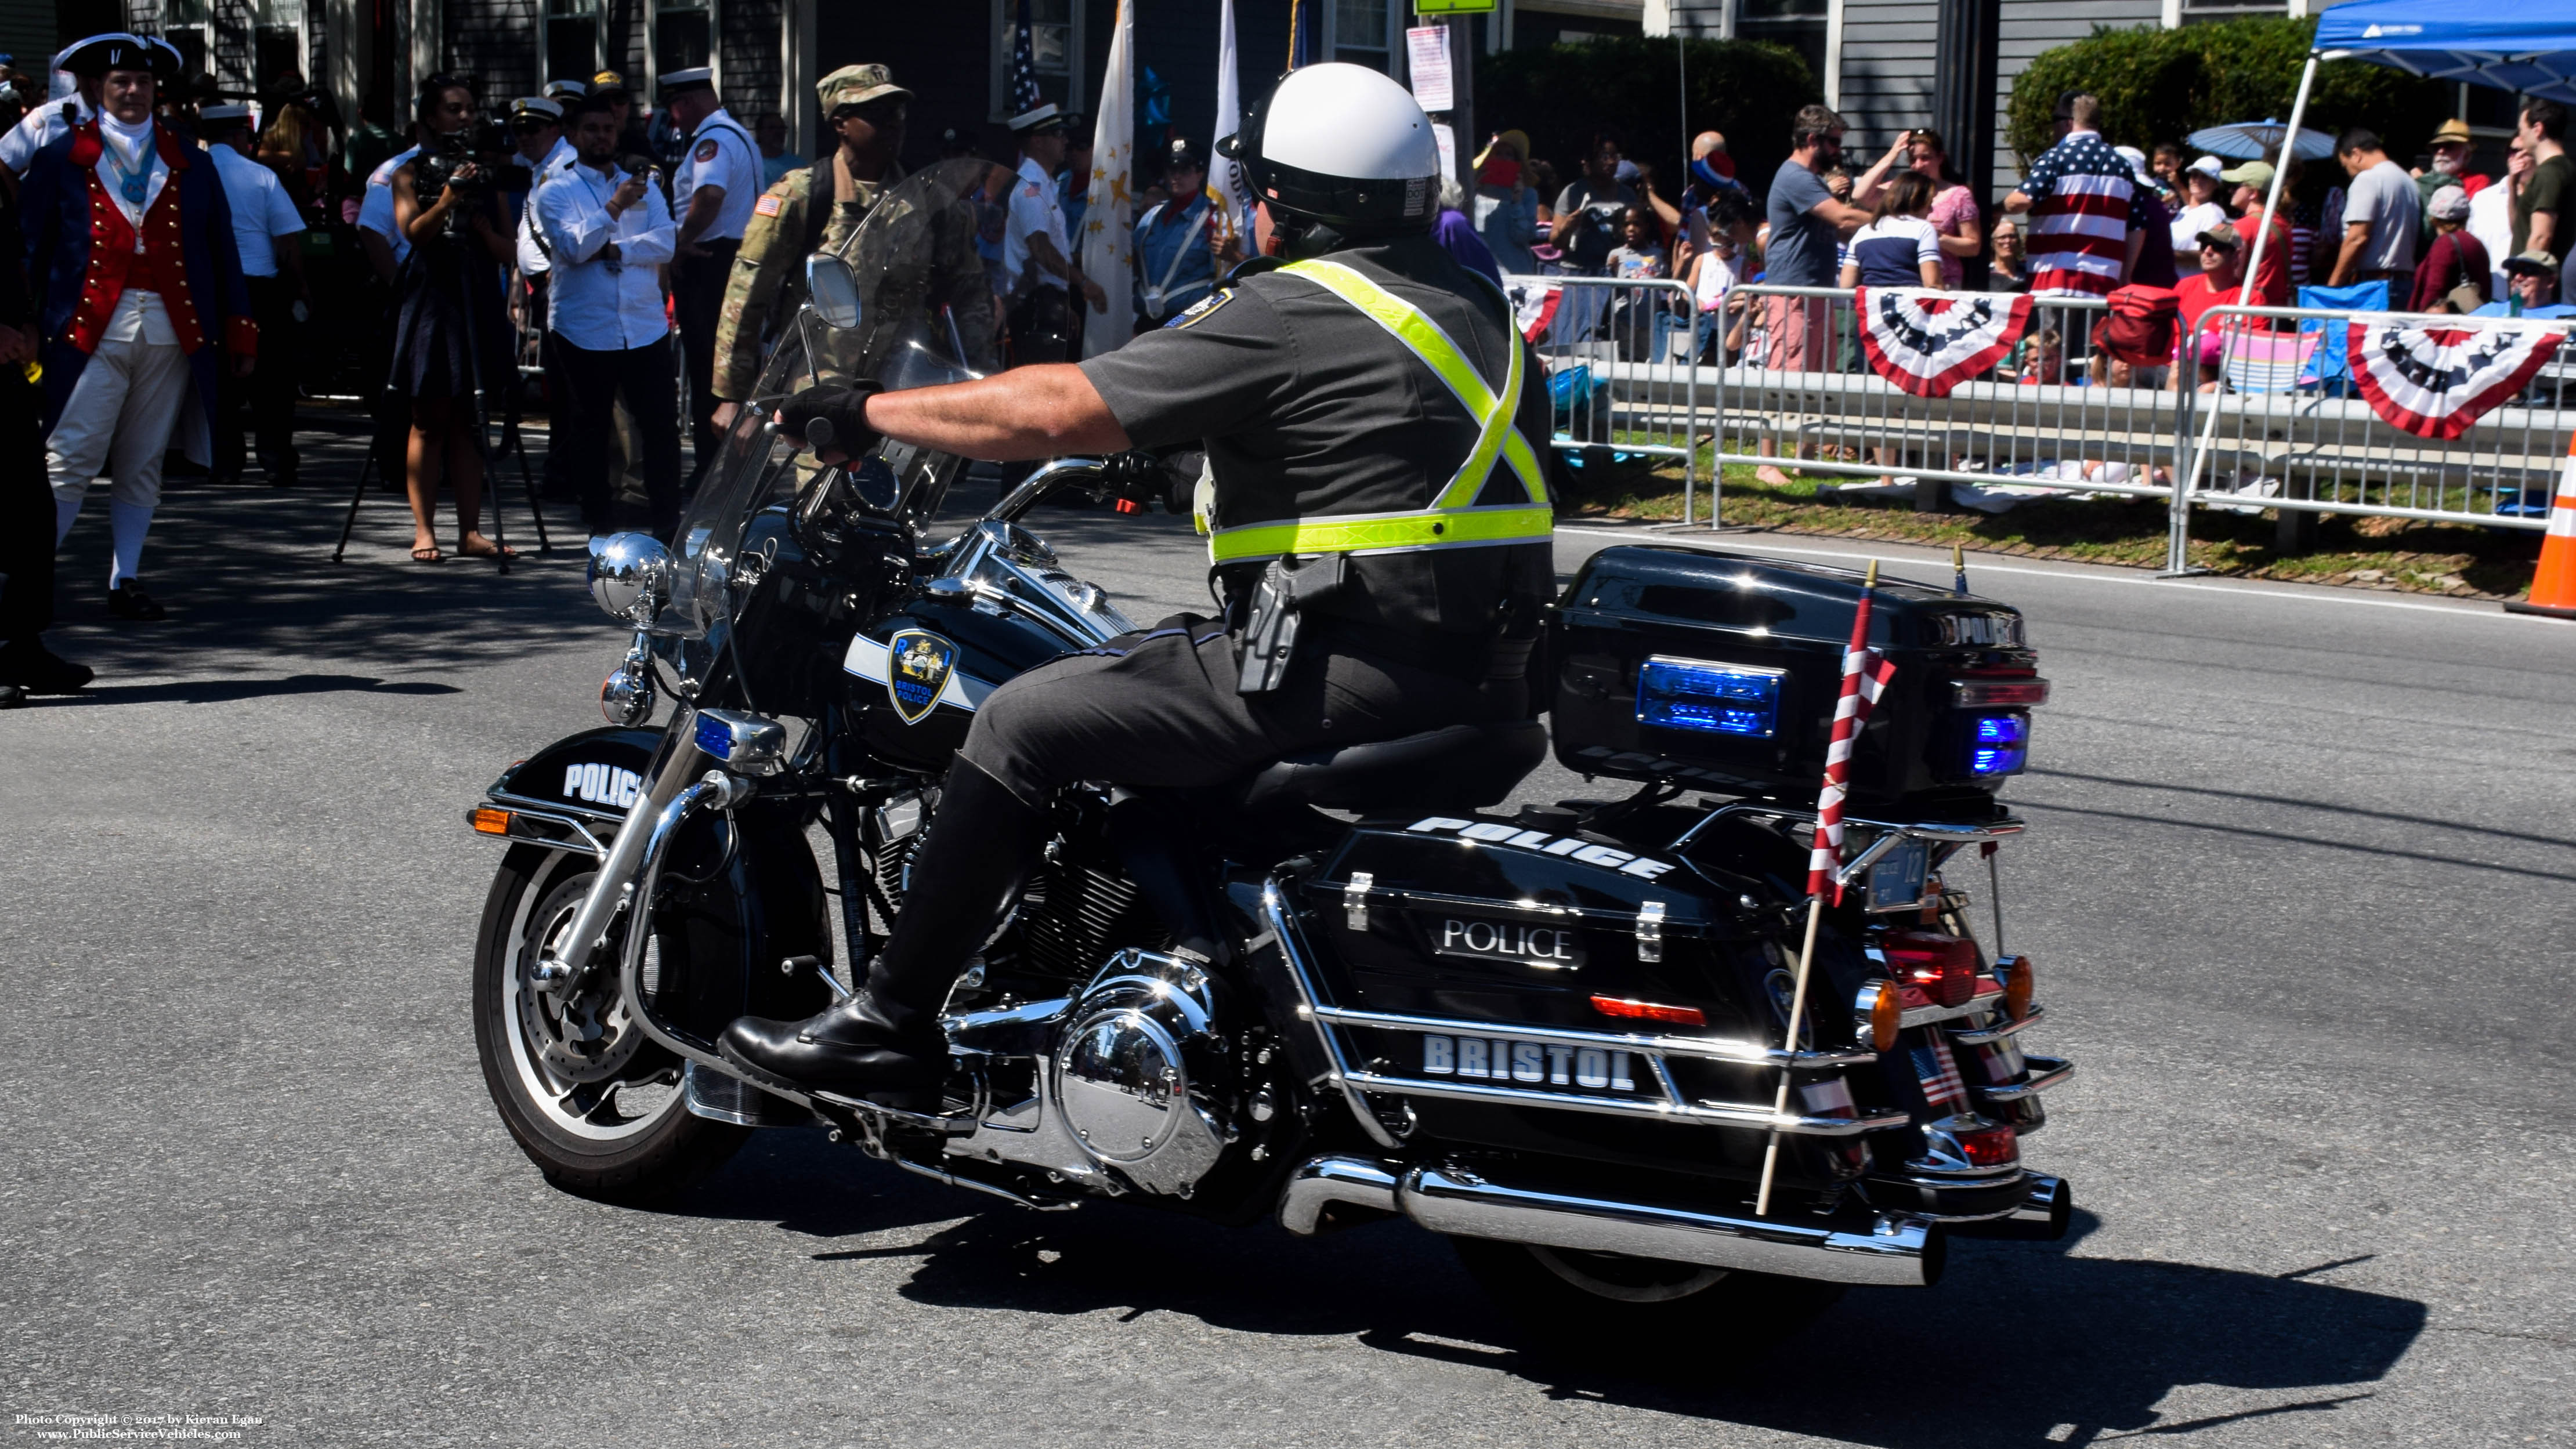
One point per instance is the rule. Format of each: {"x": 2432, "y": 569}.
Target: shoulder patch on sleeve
{"x": 706, "y": 150}
{"x": 1032, "y": 190}
{"x": 769, "y": 204}
{"x": 1202, "y": 309}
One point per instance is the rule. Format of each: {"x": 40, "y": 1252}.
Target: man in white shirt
{"x": 607, "y": 233}
{"x": 268, "y": 231}
{"x": 2491, "y": 213}
{"x": 712, "y": 194}
{"x": 537, "y": 125}
{"x": 1037, "y": 256}
{"x": 378, "y": 237}
{"x": 58, "y": 114}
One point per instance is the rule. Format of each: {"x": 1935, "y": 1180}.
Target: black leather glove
{"x": 831, "y": 419}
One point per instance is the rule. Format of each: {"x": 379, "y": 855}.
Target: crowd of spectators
{"x": 2085, "y": 220}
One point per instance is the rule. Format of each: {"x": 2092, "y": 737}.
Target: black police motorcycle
{"x": 1342, "y": 989}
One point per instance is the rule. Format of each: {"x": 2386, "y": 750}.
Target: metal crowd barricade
{"x": 1797, "y": 391}
{"x": 1620, "y": 375}
{"x": 2291, "y": 432}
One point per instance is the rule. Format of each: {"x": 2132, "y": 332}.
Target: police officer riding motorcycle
{"x": 1208, "y": 915}
{"x": 1347, "y": 431}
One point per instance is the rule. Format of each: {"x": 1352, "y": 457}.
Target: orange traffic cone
{"x": 2553, "y": 588}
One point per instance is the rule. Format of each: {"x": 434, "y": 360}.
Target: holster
{"x": 1269, "y": 639}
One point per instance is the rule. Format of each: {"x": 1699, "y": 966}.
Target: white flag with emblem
{"x": 1233, "y": 210}
{"x": 1108, "y": 241}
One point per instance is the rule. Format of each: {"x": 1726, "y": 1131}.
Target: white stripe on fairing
{"x": 866, "y": 659}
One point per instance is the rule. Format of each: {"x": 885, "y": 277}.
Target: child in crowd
{"x": 1898, "y": 248}
{"x": 1640, "y": 253}
{"x": 2042, "y": 358}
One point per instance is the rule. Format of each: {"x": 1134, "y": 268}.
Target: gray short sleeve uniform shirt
{"x": 1308, "y": 408}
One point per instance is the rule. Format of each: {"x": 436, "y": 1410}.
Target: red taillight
{"x": 1989, "y": 1146}
{"x": 1649, "y": 1011}
{"x": 1943, "y": 967}
{"x": 1981, "y": 692}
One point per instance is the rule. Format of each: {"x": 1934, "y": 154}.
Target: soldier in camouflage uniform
{"x": 866, "y": 111}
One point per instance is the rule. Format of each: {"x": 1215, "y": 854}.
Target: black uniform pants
{"x": 698, "y": 289}
{"x": 593, "y": 382}
{"x": 267, "y": 396}
{"x": 26, "y": 514}
{"x": 1159, "y": 708}
{"x": 1041, "y": 326}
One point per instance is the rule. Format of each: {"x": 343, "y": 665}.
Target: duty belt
{"x": 1453, "y": 520}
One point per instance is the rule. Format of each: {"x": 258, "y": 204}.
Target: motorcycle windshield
{"x": 926, "y": 316}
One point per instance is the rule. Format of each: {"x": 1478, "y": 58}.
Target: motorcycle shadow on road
{"x": 2089, "y": 1347}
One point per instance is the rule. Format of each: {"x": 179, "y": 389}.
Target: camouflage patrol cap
{"x": 856, "y": 85}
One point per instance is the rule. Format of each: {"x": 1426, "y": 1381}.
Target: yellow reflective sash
{"x": 1453, "y": 520}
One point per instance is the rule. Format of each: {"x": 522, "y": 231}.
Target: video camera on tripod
{"x": 469, "y": 159}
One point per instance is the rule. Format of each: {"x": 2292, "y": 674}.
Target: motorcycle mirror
{"x": 630, "y": 577}
{"x": 834, "y": 289}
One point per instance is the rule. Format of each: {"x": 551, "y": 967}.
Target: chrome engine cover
{"x": 1133, "y": 1068}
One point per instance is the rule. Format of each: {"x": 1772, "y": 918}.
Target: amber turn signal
{"x": 488, "y": 821}
{"x": 2017, "y": 985}
{"x": 1886, "y": 1014}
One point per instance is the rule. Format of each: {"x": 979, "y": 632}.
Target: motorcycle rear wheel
{"x": 618, "y": 1130}
{"x": 1619, "y": 1311}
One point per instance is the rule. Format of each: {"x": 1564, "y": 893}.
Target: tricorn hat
{"x": 116, "y": 50}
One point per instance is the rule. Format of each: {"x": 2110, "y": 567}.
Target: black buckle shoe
{"x": 848, "y": 1049}
{"x": 33, "y": 668}
{"x": 128, "y": 601}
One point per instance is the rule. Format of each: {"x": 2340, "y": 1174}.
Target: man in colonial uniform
{"x": 131, "y": 239}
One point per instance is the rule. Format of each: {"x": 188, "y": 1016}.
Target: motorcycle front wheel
{"x": 1619, "y": 1311}
{"x": 594, "y": 1103}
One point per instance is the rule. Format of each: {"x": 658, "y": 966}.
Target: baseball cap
{"x": 856, "y": 85}
{"x": 2534, "y": 260}
{"x": 2257, "y": 174}
{"x": 2220, "y": 236}
{"x": 2211, "y": 167}
{"x": 608, "y": 82}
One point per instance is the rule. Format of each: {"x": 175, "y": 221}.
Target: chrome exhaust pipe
{"x": 1889, "y": 1250}
{"x": 2042, "y": 1216}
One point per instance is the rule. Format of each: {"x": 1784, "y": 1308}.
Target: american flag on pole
{"x": 1024, "y": 66}
{"x": 1865, "y": 676}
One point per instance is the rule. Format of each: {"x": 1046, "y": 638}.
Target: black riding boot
{"x": 887, "y": 1037}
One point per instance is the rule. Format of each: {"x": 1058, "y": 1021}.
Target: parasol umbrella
{"x": 2248, "y": 140}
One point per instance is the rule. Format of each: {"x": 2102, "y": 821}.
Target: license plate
{"x": 1547, "y": 1066}
{"x": 1896, "y": 879}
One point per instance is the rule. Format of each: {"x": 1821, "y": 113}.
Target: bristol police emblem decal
{"x": 918, "y": 665}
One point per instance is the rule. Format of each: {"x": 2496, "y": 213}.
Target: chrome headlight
{"x": 630, "y": 577}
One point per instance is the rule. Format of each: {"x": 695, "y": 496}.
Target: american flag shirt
{"x": 2084, "y": 204}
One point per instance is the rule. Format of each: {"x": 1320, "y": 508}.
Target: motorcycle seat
{"x": 1460, "y": 767}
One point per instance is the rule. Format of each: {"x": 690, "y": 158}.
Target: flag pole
{"x": 1828, "y": 823}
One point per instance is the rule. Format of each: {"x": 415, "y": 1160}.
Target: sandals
{"x": 428, "y": 555}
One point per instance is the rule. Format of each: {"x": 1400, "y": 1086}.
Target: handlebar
{"x": 1042, "y": 482}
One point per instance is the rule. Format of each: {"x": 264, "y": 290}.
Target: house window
{"x": 2230, "y": 9}
{"x": 184, "y": 24}
{"x": 1055, "y": 44}
{"x": 1363, "y": 33}
{"x": 683, "y": 37}
{"x": 277, "y": 40}
{"x": 572, "y": 40}
{"x": 1797, "y": 24}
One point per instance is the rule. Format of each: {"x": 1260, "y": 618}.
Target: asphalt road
{"x": 2297, "y": 886}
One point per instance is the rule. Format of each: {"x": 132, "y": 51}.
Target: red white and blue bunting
{"x": 1929, "y": 342}
{"x": 2435, "y": 379}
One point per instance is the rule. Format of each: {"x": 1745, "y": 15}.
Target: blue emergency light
{"x": 1722, "y": 699}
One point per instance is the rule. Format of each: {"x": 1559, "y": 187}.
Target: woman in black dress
{"x": 451, "y": 363}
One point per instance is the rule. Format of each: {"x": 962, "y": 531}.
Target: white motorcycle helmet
{"x": 1343, "y": 149}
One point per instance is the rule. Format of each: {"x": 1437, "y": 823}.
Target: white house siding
{"x": 2031, "y": 26}
{"x": 1887, "y": 71}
